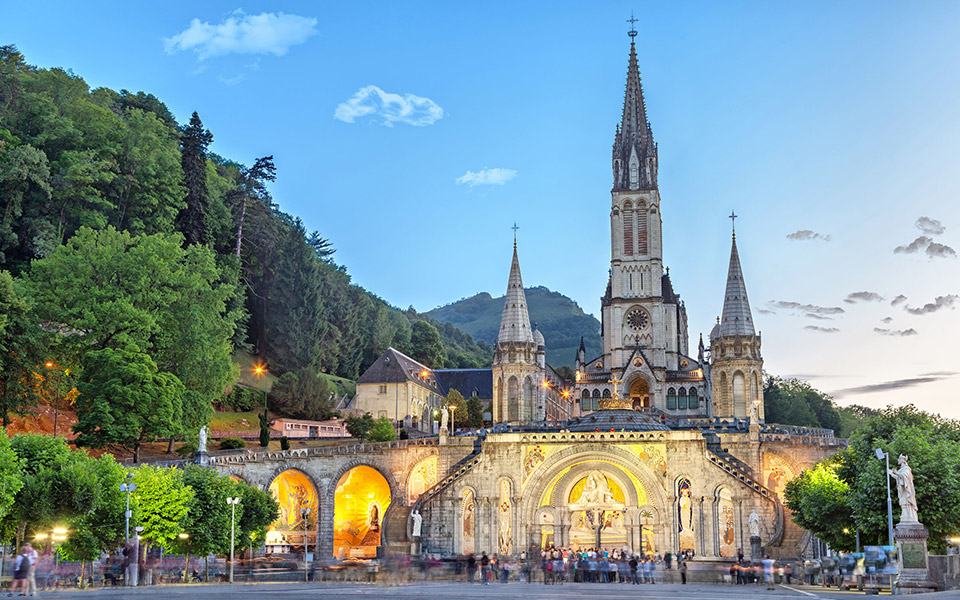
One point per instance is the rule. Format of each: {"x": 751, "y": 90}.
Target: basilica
{"x": 655, "y": 447}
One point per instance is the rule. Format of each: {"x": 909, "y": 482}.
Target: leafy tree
{"x": 10, "y": 475}
{"x": 192, "y": 220}
{"x": 360, "y": 427}
{"x": 21, "y": 344}
{"x": 264, "y": 429}
{"x": 101, "y": 529}
{"x": 475, "y": 411}
{"x": 932, "y": 444}
{"x": 24, "y": 178}
{"x": 382, "y": 431}
{"x": 160, "y": 504}
{"x": 853, "y": 417}
{"x": 426, "y": 345}
{"x": 207, "y": 522}
{"x": 795, "y": 402}
{"x": 260, "y": 510}
{"x": 302, "y": 395}
{"x": 125, "y": 401}
{"x": 819, "y": 501}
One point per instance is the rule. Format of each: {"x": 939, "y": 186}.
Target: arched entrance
{"x": 361, "y": 499}
{"x": 299, "y": 510}
{"x": 640, "y": 393}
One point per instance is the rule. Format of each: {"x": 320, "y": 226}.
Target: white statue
{"x": 596, "y": 491}
{"x": 417, "y": 523}
{"x": 444, "y": 417}
{"x": 906, "y": 491}
{"x": 202, "y": 441}
{"x": 753, "y": 522}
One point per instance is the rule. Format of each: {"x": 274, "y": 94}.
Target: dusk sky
{"x": 414, "y": 134}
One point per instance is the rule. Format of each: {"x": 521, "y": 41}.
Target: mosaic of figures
{"x": 504, "y": 510}
{"x": 777, "y": 472}
{"x": 422, "y": 478}
{"x": 725, "y": 524}
{"x": 685, "y": 530}
{"x": 468, "y": 520}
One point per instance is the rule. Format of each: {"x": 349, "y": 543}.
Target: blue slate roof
{"x": 466, "y": 381}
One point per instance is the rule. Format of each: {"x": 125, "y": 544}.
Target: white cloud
{"x": 392, "y": 108}
{"x": 807, "y": 234}
{"x": 487, "y": 176}
{"x": 930, "y": 226}
{"x": 240, "y": 33}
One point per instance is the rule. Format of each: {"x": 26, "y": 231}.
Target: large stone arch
{"x": 299, "y": 490}
{"x": 381, "y": 513}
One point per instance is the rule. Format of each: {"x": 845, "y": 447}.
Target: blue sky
{"x": 840, "y": 119}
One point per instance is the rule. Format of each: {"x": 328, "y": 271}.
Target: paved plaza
{"x": 463, "y": 591}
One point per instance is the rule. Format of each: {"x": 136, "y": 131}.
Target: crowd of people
{"x": 561, "y": 565}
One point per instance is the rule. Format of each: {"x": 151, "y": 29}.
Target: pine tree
{"x": 193, "y": 144}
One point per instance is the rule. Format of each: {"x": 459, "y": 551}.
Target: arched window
{"x": 606, "y": 393}
{"x": 671, "y": 399}
{"x": 513, "y": 400}
{"x": 641, "y": 231}
{"x": 627, "y": 231}
{"x": 682, "y": 399}
{"x": 739, "y": 395}
{"x": 595, "y": 402}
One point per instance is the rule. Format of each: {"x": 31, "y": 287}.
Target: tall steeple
{"x": 515, "y": 321}
{"x": 736, "y": 318}
{"x": 634, "y": 151}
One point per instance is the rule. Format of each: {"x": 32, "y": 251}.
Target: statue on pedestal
{"x": 417, "y": 523}
{"x": 906, "y": 491}
{"x": 202, "y": 440}
{"x": 444, "y": 418}
{"x": 753, "y": 522}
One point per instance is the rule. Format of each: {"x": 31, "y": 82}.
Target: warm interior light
{"x": 60, "y": 531}
{"x": 183, "y": 536}
{"x": 49, "y": 364}
{"x": 424, "y": 374}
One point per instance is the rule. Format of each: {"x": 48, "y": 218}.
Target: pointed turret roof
{"x": 515, "y": 322}
{"x": 736, "y": 318}
{"x": 634, "y": 137}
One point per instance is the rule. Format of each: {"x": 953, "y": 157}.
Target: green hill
{"x": 560, "y": 319}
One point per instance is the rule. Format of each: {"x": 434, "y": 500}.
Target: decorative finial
{"x": 733, "y": 223}
{"x": 515, "y": 228}
{"x": 633, "y": 30}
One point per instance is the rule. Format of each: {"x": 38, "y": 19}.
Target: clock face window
{"x": 638, "y": 319}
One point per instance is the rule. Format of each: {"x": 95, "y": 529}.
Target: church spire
{"x": 515, "y": 321}
{"x": 634, "y": 151}
{"x": 736, "y": 318}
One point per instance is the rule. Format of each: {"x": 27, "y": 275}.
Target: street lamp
{"x": 884, "y": 456}
{"x": 453, "y": 429}
{"x": 233, "y": 502}
{"x": 260, "y": 370}
{"x": 304, "y": 513}
{"x": 56, "y": 407}
{"x": 127, "y": 487}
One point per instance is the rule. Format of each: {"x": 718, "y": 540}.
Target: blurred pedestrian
{"x": 21, "y": 567}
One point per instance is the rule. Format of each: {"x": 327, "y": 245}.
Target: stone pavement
{"x": 463, "y": 591}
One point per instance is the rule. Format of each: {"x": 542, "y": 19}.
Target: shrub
{"x": 232, "y": 443}
{"x": 187, "y": 449}
{"x": 284, "y": 443}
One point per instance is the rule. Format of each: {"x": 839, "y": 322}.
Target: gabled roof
{"x": 394, "y": 366}
{"x": 466, "y": 381}
{"x": 736, "y": 318}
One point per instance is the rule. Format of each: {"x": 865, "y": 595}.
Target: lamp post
{"x": 56, "y": 406}
{"x": 304, "y": 514}
{"x": 884, "y": 456}
{"x": 127, "y": 487}
{"x": 233, "y": 502}
{"x": 453, "y": 429}
{"x": 261, "y": 371}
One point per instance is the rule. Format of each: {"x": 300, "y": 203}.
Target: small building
{"x": 401, "y": 389}
{"x": 299, "y": 428}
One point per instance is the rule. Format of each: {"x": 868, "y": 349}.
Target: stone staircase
{"x": 395, "y": 541}
{"x": 458, "y": 470}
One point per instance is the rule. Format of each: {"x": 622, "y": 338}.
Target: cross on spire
{"x": 633, "y": 29}
{"x": 515, "y": 228}
{"x": 733, "y": 222}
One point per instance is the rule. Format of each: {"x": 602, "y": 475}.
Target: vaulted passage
{"x": 361, "y": 499}
{"x": 299, "y": 509}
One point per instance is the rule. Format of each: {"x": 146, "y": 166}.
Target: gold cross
{"x": 615, "y": 382}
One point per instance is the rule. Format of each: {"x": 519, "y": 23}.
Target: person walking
{"x": 32, "y": 573}
{"x": 484, "y": 567}
{"x": 683, "y": 572}
{"x": 21, "y": 567}
{"x": 471, "y": 567}
{"x": 650, "y": 570}
{"x": 768, "y": 572}
{"x": 633, "y": 570}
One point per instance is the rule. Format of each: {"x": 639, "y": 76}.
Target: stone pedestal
{"x": 756, "y": 549}
{"x": 914, "y": 577}
{"x": 201, "y": 458}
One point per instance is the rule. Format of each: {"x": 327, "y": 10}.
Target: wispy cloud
{"x": 807, "y": 234}
{"x": 895, "y": 332}
{"x": 930, "y": 226}
{"x": 863, "y": 297}
{"x": 931, "y": 248}
{"x": 886, "y": 386}
{"x": 806, "y": 309}
{"x": 240, "y": 33}
{"x": 821, "y": 329}
{"x": 231, "y": 80}
{"x": 817, "y": 317}
{"x": 940, "y": 302}
{"x": 886, "y": 320}
{"x": 900, "y": 299}
{"x": 392, "y": 108}
{"x": 764, "y": 311}
{"x": 487, "y": 176}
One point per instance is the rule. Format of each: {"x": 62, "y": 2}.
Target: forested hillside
{"x": 121, "y": 233}
{"x": 561, "y": 321}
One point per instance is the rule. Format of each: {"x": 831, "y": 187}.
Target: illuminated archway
{"x": 361, "y": 500}
{"x": 640, "y": 393}
{"x": 294, "y": 492}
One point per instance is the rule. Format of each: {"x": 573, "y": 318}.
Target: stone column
{"x": 325, "y": 521}
{"x": 914, "y": 577}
